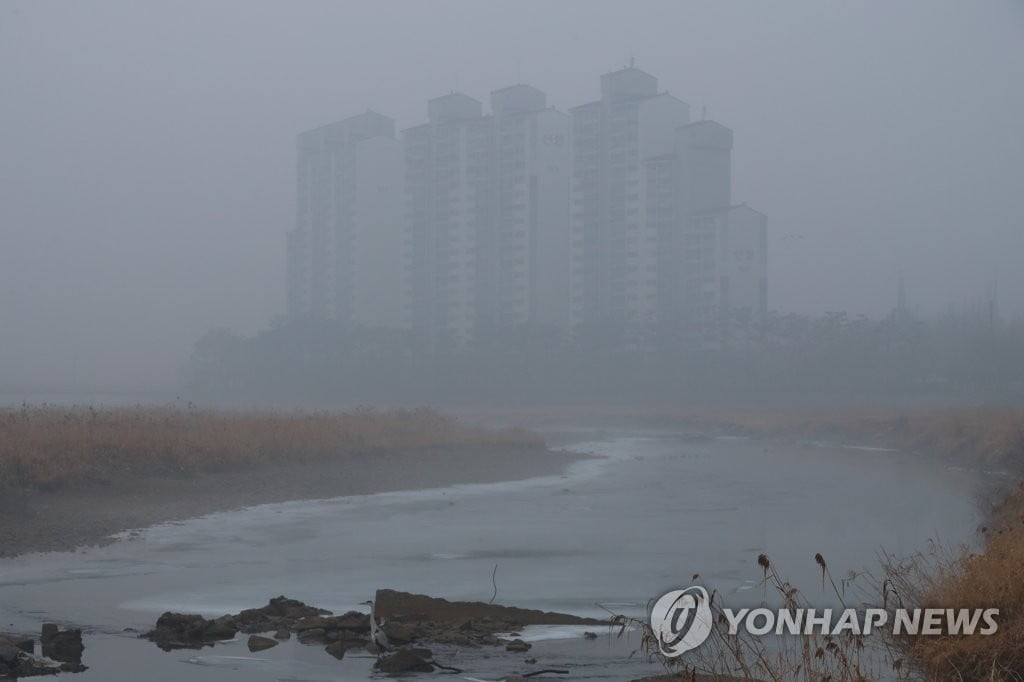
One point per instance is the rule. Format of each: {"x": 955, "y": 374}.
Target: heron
{"x": 377, "y": 636}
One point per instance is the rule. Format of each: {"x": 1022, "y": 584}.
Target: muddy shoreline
{"x": 89, "y": 513}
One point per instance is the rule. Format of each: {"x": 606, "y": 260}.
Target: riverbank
{"x": 73, "y": 477}
{"x": 984, "y": 438}
{"x": 579, "y": 543}
{"x": 37, "y": 520}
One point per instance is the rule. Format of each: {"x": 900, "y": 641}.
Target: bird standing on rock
{"x": 377, "y": 636}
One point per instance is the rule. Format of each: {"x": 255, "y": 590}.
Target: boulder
{"x": 190, "y": 631}
{"x": 404, "y": 661}
{"x": 353, "y": 620}
{"x": 399, "y": 633}
{"x": 406, "y": 607}
{"x": 459, "y": 623}
{"x": 311, "y": 623}
{"x": 312, "y": 636}
{"x": 221, "y": 628}
{"x": 26, "y": 644}
{"x": 63, "y": 645}
{"x": 15, "y": 662}
{"x": 518, "y": 646}
{"x": 9, "y": 655}
{"x": 280, "y": 612}
{"x": 258, "y": 643}
{"x": 282, "y": 634}
{"x": 336, "y": 649}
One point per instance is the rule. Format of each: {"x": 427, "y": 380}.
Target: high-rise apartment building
{"x": 488, "y": 217}
{"x": 615, "y": 222}
{"x": 447, "y": 180}
{"x": 651, "y": 238}
{"x": 346, "y": 253}
{"x": 614, "y": 247}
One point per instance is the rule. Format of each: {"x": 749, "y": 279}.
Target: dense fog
{"x": 151, "y": 177}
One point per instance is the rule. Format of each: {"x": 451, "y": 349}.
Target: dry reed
{"x": 50, "y": 447}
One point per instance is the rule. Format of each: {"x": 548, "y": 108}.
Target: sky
{"x": 148, "y": 149}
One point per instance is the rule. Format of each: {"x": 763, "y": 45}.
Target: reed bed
{"x": 987, "y": 437}
{"x": 49, "y": 447}
{"x": 983, "y": 437}
{"x": 725, "y": 657}
{"x": 993, "y": 577}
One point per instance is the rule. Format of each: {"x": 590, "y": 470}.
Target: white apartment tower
{"x": 721, "y": 248}
{"x": 615, "y": 223}
{"x": 654, "y": 232}
{"x": 447, "y": 193}
{"x": 346, "y": 253}
{"x": 615, "y": 242}
{"x": 488, "y": 217}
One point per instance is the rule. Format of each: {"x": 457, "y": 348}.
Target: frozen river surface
{"x": 641, "y": 518}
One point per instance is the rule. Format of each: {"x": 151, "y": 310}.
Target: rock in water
{"x": 26, "y": 644}
{"x": 404, "y": 661}
{"x": 9, "y": 655}
{"x": 336, "y": 649}
{"x": 62, "y": 645}
{"x": 518, "y": 645}
{"x": 399, "y": 633}
{"x": 279, "y": 613}
{"x": 258, "y": 643}
{"x": 16, "y": 659}
{"x": 312, "y": 636}
{"x": 190, "y": 631}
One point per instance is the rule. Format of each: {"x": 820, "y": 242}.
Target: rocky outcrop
{"x": 17, "y": 660}
{"x": 336, "y": 649}
{"x": 282, "y": 616}
{"x": 406, "y": 619}
{"x": 417, "y": 617}
{"x": 280, "y": 613}
{"x": 63, "y": 645}
{"x": 258, "y": 643}
{"x": 404, "y": 661}
{"x": 405, "y": 607}
{"x": 518, "y": 646}
{"x": 26, "y": 644}
{"x": 190, "y": 631}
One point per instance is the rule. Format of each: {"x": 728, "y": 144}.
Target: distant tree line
{"x": 964, "y": 355}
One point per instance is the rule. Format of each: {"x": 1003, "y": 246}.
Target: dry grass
{"x": 811, "y": 658}
{"x": 52, "y": 447}
{"x": 987, "y": 437}
{"x": 992, "y": 578}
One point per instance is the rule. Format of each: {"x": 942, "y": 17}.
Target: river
{"x": 649, "y": 511}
